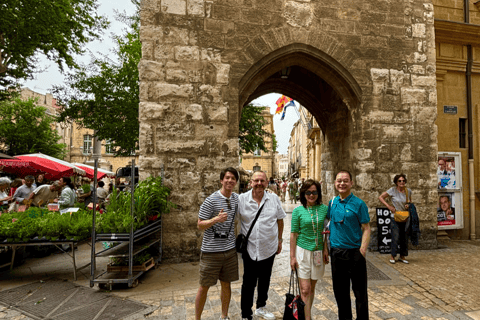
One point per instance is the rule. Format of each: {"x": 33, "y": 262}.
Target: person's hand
{"x": 449, "y": 211}
{"x": 222, "y": 216}
{"x": 55, "y": 200}
{"x": 279, "y": 247}
{"x": 391, "y": 208}
{"x": 363, "y": 251}
{"x": 293, "y": 263}
{"x": 326, "y": 258}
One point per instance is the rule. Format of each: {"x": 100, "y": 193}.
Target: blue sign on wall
{"x": 450, "y": 109}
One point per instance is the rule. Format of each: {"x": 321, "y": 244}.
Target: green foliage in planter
{"x": 150, "y": 198}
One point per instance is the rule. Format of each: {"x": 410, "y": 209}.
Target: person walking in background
{"x": 292, "y": 191}
{"x": 308, "y": 253}
{"x": 283, "y": 187}
{"x": 398, "y": 195}
{"x": 349, "y": 239}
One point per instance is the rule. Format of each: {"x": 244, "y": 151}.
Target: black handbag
{"x": 294, "y": 306}
{"x": 241, "y": 242}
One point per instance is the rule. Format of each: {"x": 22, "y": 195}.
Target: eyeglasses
{"x": 228, "y": 203}
{"x": 309, "y": 193}
{"x": 402, "y": 181}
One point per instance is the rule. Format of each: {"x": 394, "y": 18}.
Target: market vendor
{"x": 45, "y": 193}
{"x": 68, "y": 195}
{"x": 23, "y": 192}
{"x": 4, "y": 198}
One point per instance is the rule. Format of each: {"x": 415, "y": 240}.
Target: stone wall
{"x": 365, "y": 69}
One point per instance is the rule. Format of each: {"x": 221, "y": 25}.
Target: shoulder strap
{"x": 406, "y": 195}
{"x": 254, "y": 221}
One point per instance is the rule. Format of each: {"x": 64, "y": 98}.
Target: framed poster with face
{"x": 448, "y": 175}
{"x": 449, "y": 179}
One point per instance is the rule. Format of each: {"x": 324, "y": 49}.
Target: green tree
{"x": 104, "y": 96}
{"x": 26, "y": 128}
{"x": 57, "y": 29}
{"x": 252, "y": 135}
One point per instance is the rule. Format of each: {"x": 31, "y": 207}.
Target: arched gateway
{"x": 365, "y": 69}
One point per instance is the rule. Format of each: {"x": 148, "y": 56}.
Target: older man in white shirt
{"x": 264, "y": 243}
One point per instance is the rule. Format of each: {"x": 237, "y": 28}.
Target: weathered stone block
{"x": 219, "y": 26}
{"x": 298, "y": 14}
{"x": 196, "y": 8}
{"x": 194, "y": 111}
{"x": 413, "y": 96}
{"x": 186, "y": 147}
{"x": 418, "y": 30}
{"x": 151, "y": 70}
{"x": 223, "y": 71}
{"x": 162, "y": 89}
{"x": 153, "y": 111}
{"x": 424, "y": 81}
{"x": 164, "y": 51}
{"x": 176, "y": 36}
{"x": 174, "y": 6}
{"x": 176, "y": 75}
{"x": 191, "y": 53}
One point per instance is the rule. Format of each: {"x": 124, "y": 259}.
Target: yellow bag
{"x": 401, "y": 216}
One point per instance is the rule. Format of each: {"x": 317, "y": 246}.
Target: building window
{"x": 109, "y": 147}
{"x": 87, "y": 143}
{"x": 462, "y": 132}
{"x": 257, "y": 152}
{"x": 256, "y": 168}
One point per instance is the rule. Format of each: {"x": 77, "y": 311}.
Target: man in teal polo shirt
{"x": 349, "y": 239}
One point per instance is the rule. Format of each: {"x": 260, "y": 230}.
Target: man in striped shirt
{"x": 218, "y": 258}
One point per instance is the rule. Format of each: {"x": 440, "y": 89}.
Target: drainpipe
{"x": 471, "y": 172}
{"x": 470, "y": 141}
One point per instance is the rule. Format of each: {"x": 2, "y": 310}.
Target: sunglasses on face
{"x": 402, "y": 181}
{"x": 309, "y": 193}
{"x": 228, "y": 203}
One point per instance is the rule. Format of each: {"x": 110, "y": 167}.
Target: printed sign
{"x": 450, "y": 109}
{"x": 446, "y": 209}
{"x": 446, "y": 175}
{"x": 384, "y": 233}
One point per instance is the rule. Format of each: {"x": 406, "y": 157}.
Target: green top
{"x": 302, "y": 224}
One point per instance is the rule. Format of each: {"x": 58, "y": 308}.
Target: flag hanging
{"x": 292, "y": 104}
{"x": 281, "y": 103}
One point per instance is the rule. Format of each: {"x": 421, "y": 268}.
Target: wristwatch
{"x": 280, "y": 240}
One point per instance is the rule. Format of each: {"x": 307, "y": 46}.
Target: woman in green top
{"x": 308, "y": 255}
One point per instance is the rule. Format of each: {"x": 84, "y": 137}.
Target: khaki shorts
{"x": 307, "y": 270}
{"x": 221, "y": 266}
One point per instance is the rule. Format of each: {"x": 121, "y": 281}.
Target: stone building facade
{"x": 457, "y": 43}
{"x": 297, "y": 148}
{"x": 366, "y": 70}
{"x": 281, "y": 163}
{"x": 260, "y": 160}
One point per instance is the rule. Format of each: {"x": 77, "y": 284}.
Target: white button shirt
{"x": 263, "y": 241}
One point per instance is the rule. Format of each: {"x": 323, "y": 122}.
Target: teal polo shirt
{"x": 346, "y": 219}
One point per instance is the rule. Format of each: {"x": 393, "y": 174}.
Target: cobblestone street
{"x": 437, "y": 284}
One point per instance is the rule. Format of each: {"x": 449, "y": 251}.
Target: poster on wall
{"x": 446, "y": 174}
{"x": 446, "y": 209}
{"x": 450, "y": 194}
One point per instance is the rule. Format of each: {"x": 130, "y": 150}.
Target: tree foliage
{"x": 26, "y": 128}
{"x": 252, "y": 135}
{"x": 104, "y": 96}
{"x": 57, "y": 29}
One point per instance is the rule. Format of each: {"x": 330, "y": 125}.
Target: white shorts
{"x": 307, "y": 270}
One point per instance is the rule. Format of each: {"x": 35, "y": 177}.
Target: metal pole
{"x": 132, "y": 209}
{"x": 93, "y": 264}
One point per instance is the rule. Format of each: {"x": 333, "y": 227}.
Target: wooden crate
{"x": 147, "y": 265}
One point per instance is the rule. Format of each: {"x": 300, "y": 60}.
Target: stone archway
{"x": 365, "y": 72}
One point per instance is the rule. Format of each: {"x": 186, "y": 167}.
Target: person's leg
{"x": 225, "y": 296}
{"x": 359, "y": 285}
{"x": 395, "y": 239}
{"x": 265, "y": 273}
{"x": 341, "y": 282}
{"x": 248, "y": 286}
{"x": 403, "y": 240}
{"x": 307, "y": 293}
{"x": 200, "y": 301}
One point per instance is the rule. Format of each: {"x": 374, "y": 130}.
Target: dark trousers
{"x": 253, "y": 272}
{"x": 399, "y": 237}
{"x": 349, "y": 265}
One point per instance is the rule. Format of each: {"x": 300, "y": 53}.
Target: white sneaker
{"x": 262, "y": 312}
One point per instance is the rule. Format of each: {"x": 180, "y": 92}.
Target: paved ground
{"x": 437, "y": 284}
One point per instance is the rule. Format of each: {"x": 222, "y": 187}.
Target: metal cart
{"x": 129, "y": 245}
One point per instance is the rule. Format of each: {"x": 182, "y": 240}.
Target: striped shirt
{"x": 210, "y": 208}
{"x": 303, "y": 225}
